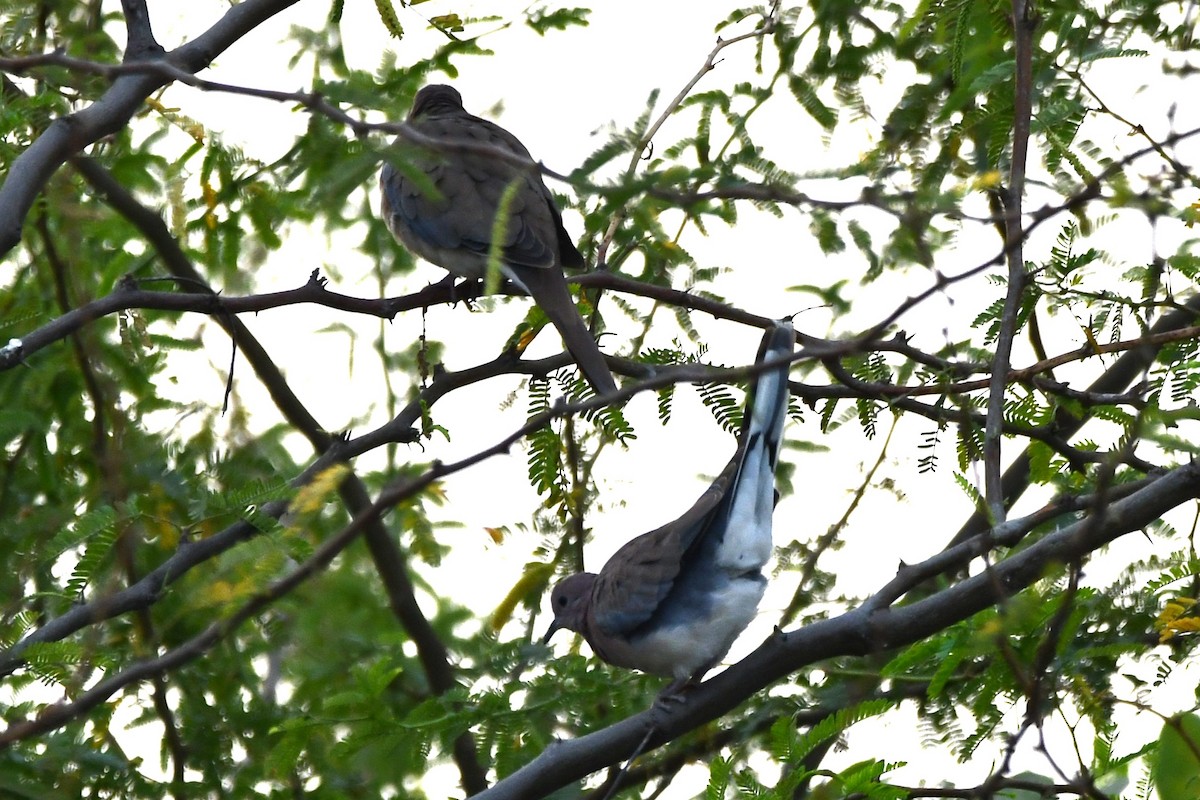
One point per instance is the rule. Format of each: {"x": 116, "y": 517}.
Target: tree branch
{"x": 399, "y": 429}
{"x": 1023, "y": 23}
{"x": 111, "y": 112}
{"x": 867, "y": 629}
{"x": 140, "y": 41}
{"x": 1123, "y": 372}
{"x": 146, "y": 590}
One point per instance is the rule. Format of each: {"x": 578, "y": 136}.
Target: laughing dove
{"x": 672, "y": 601}
{"x": 450, "y": 217}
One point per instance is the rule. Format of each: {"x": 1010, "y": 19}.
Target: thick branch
{"x": 857, "y": 632}
{"x": 111, "y": 112}
{"x": 140, "y": 41}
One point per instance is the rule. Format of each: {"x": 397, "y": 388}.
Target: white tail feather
{"x": 747, "y": 545}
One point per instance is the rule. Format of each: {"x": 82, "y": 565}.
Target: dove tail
{"x": 549, "y": 290}
{"x": 747, "y": 545}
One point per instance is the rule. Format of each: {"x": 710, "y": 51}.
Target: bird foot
{"x": 674, "y": 695}
{"x": 467, "y": 291}
{"x": 459, "y": 291}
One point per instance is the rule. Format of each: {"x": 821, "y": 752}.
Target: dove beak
{"x": 554, "y": 628}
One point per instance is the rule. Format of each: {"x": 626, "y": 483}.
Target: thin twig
{"x": 764, "y": 28}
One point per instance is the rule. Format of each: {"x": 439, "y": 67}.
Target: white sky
{"x": 558, "y": 93}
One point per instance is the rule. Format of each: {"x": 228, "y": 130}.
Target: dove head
{"x": 570, "y": 600}
{"x": 435, "y": 98}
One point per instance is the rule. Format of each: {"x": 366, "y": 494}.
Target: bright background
{"x": 558, "y": 94}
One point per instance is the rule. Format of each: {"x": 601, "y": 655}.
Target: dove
{"x": 452, "y": 216}
{"x": 672, "y": 601}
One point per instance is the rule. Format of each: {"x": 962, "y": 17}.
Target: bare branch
{"x": 139, "y": 35}
{"x": 764, "y": 29}
{"x": 866, "y": 629}
{"x": 1023, "y": 21}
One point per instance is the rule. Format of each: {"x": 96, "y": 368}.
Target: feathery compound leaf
{"x": 55, "y": 662}
{"x": 613, "y": 423}
{"x": 13, "y": 629}
{"x": 97, "y": 548}
{"x": 720, "y": 769}
{"x": 545, "y": 449}
{"x": 87, "y": 526}
{"x": 790, "y": 747}
{"x": 725, "y": 408}
{"x": 543, "y": 20}
{"x": 969, "y": 489}
{"x": 804, "y": 92}
{"x": 660, "y": 356}
{"x": 1174, "y": 574}
{"x": 1114, "y": 52}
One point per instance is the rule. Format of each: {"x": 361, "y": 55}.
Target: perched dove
{"x": 672, "y": 601}
{"x": 450, "y": 217}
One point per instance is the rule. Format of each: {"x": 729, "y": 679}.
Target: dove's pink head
{"x": 569, "y": 601}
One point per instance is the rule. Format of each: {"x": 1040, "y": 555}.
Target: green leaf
{"x": 98, "y": 546}
{"x": 1026, "y": 794}
{"x": 387, "y": 15}
{"x": 544, "y": 20}
{"x": 804, "y": 92}
{"x": 1176, "y": 764}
